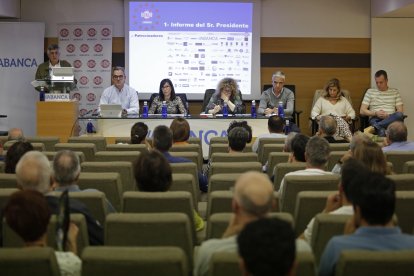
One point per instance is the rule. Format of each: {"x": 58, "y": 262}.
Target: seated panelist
{"x": 226, "y": 92}
{"x": 167, "y": 93}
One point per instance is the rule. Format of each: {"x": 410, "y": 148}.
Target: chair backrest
{"x": 408, "y": 167}
{"x": 36, "y": 145}
{"x": 339, "y": 146}
{"x": 160, "y": 202}
{"x": 2, "y": 165}
{"x": 122, "y": 140}
{"x": 122, "y": 261}
{"x": 184, "y": 100}
{"x": 305, "y": 264}
{"x": 265, "y": 141}
{"x": 325, "y": 227}
{"x": 398, "y": 159}
{"x": 29, "y": 261}
{"x": 8, "y": 180}
{"x": 219, "y": 140}
{"x": 224, "y": 264}
{"x": 100, "y": 142}
{"x": 108, "y": 183}
{"x": 185, "y": 182}
{"x": 295, "y": 184}
{"x": 195, "y": 140}
{"x": 368, "y": 262}
{"x": 190, "y": 155}
{"x": 88, "y": 149}
{"x": 189, "y": 167}
{"x": 11, "y": 239}
{"x": 190, "y": 148}
{"x": 308, "y": 205}
{"x": 124, "y": 168}
{"x": 206, "y": 99}
{"x": 95, "y": 201}
{"x": 267, "y": 149}
{"x": 334, "y": 157}
{"x": 218, "y": 223}
{"x": 222, "y": 182}
{"x": 51, "y": 155}
{"x": 274, "y": 159}
{"x": 226, "y": 167}
{"x": 404, "y": 210}
{"x": 127, "y": 147}
{"x": 48, "y": 141}
{"x": 234, "y": 157}
{"x": 224, "y": 148}
{"x": 403, "y": 181}
{"x": 150, "y": 229}
{"x": 109, "y": 156}
{"x": 281, "y": 169}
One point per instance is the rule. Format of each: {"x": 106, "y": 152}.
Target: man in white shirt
{"x": 121, "y": 93}
{"x": 275, "y": 126}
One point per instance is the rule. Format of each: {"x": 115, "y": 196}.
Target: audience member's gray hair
{"x": 397, "y": 132}
{"x": 317, "y": 151}
{"x": 328, "y": 125}
{"x": 33, "y": 172}
{"x": 358, "y": 138}
{"x": 288, "y": 141}
{"x": 66, "y": 167}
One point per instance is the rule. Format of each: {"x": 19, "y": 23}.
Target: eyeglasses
{"x": 118, "y": 77}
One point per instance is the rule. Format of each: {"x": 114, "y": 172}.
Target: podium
{"x": 58, "y": 119}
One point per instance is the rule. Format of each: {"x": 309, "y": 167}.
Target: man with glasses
{"x": 121, "y": 93}
{"x": 271, "y": 97}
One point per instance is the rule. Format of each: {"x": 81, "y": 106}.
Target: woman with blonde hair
{"x": 371, "y": 155}
{"x": 227, "y": 92}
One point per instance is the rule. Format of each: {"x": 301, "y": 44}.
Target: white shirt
{"x": 127, "y": 97}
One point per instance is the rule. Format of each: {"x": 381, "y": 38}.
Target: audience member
{"x": 269, "y": 100}
{"x": 66, "y": 171}
{"x": 227, "y": 93}
{"x": 253, "y": 199}
{"x": 181, "y": 131}
{"x": 14, "y": 153}
{"x": 153, "y": 174}
{"x": 340, "y": 203}
{"x": 167, "y": 93}
{"x": 242, "y": 124}
{"x": 382, "y": 104}
{"x": 33, "y": 172}
{"x": 162, "y": 141}
{"x": 327, "y": 130}
{"x": 396, "y": 138}
{"x": 15, "y": 134}
{"x": 120, "y": 93}
{"x": 288, "y": 141}
{"x": 374, "y": 205}
{"x": 275, "y": 126}
{"x": 316, "y": 156}
{"x": 267, "y": 247}
{"x": 298, "y": 148}
{"x": 139, "y": 132}
{"x": 370, "y": 154}
{"x": 27, "y": 214}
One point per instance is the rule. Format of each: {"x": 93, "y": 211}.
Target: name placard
{"x": 57, "y": 98}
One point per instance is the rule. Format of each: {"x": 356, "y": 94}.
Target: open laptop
{"x": 62, "y": 74}
{"x": 111, "y": 110}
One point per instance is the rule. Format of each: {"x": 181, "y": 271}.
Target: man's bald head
{"x": 15, "y": 134}
{"x": 254, "y": 193}
{"x": 33, "y": 172}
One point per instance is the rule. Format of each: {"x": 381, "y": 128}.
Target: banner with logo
{"x": 21, "y": 51}
{"x": 88, "y": 47}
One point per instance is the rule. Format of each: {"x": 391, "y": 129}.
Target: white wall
{"x": 282, "y": 18}
{"x": 10, "y": 8}
{"x": 392, "y": 50}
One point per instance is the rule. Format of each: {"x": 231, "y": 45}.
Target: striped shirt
{"x": 382, "y": 100}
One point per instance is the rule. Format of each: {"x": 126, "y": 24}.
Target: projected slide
{"x": 193, "y": 44}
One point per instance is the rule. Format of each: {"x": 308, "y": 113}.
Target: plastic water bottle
{"x": 280, "y": 110}
{"x": 225, "y": 110}
{"x": 164, "y": 109}
{"x": 89, "y": 127}
{"x": 145, "y": 110}
{"x": 42, "y": 94}
{"x": 287, "y": 127}
{"x": 253, "y": 109}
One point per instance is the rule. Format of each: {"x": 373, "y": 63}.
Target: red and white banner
{"x": 88, "y": 47}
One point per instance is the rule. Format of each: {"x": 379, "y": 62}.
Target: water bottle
{"x": 89, "y": 127}
{"x": 42, "y": 94}
{"x": 164, "y": 109}
{"x": 145, "y": 110}
{"x": 253, "y": 109}
{"x": 225, "y": 110}
{"x": 287, "y": 127}
{"x": 280, "y": 110}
